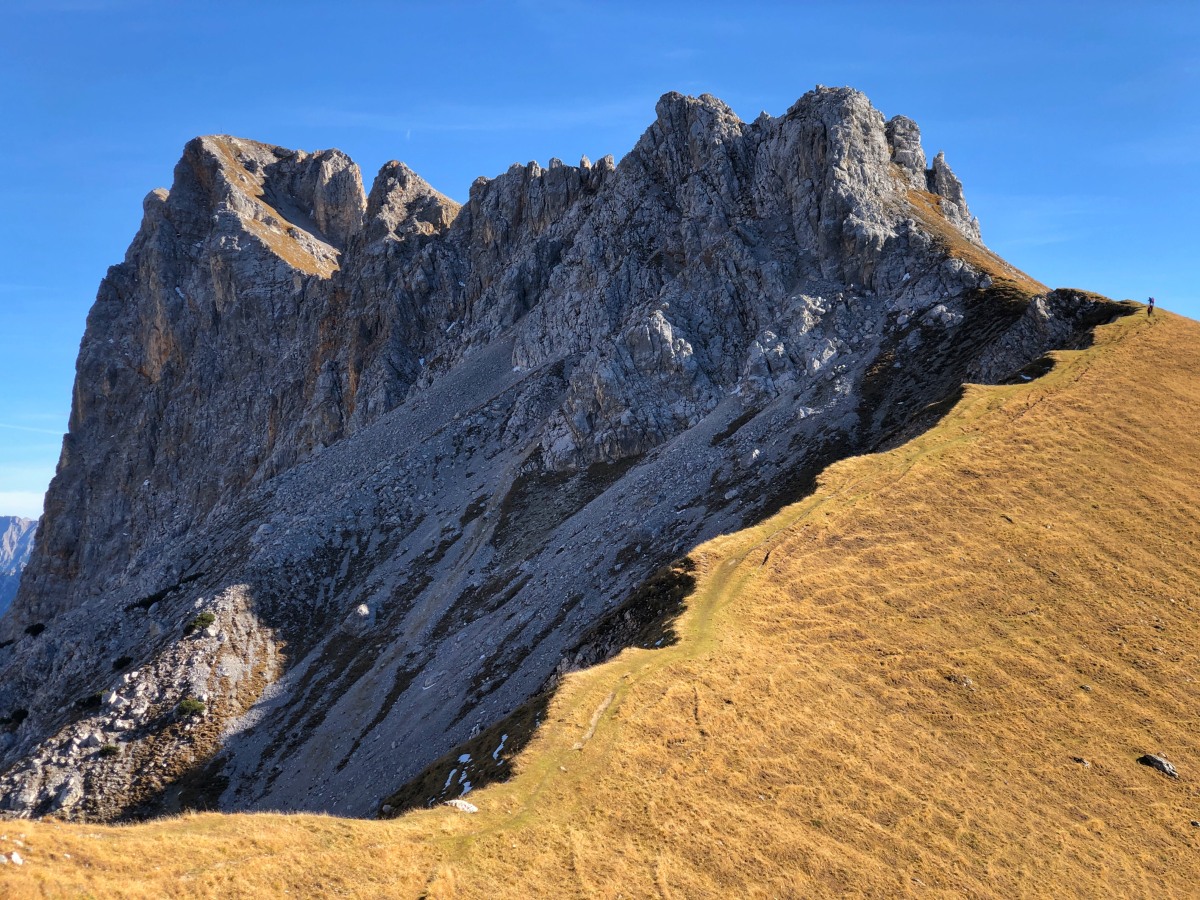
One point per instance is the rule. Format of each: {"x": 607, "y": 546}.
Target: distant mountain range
{"x": 16, "y": 543}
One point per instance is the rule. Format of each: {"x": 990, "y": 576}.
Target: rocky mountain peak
{"x": 16, "y": 544}
{"x": 904, "y": 139}
{"x": 300, "y": 207}
{"x": 401, "y": 202}
{"x": 288, "y": 191}
{"x": 696, "y": 122}
{"x": 941, "y": 181}
{"x": 406, "y": 459}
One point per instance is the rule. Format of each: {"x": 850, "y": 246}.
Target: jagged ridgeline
{"x": 350, "y": 476}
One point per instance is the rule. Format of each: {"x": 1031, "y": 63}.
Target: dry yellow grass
{"x": 275, "y": 231}
{"x": 880, "y": 691}
{"x": 927, "y": 208}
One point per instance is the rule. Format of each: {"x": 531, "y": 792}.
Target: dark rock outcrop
{"x": 1158, "y": 763}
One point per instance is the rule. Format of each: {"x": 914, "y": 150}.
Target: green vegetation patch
{"x": 190, "y": 706}
{"x": 199, "y": 623}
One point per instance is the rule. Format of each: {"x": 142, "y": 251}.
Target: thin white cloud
{"x": 55, "y": 431}
{"x": 56, "y": 417}
{"x": 1012, "y": 221}
{"x": 21, "y": 503}
{"x": 469, "y": 118}
{"x": 1180, "y": 149}
{"x": 22, "y": 473}
{"x": 79, "y": 6}
{"x": 7, "y": 288}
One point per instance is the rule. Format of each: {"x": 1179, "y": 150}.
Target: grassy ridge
{"x": 934, "y": 676}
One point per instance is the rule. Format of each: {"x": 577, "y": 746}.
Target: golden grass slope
{"x": 884, "y": 690}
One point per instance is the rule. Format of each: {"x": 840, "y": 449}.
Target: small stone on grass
{"x": 1157, "y": 762}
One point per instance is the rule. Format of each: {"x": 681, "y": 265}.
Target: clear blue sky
{"x": 1075, "y": 127}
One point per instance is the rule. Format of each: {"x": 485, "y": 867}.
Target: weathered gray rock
{"x": 945, "y": 184}
{"x": 199, "y": 347}
{"x": 408, "y": 454}
{"x": 1159, "y": 763}
{"x": 904, "y": 139}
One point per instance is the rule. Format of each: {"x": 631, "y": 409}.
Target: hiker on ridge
{"x": 1150, "y": 307}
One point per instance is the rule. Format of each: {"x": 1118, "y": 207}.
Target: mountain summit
{"x": 352, "y": 476}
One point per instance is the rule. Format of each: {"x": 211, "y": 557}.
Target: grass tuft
{"x": 190, "y": 706}
{"x": 199, "y": 623}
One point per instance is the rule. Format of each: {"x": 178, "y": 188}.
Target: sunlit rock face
{"x": 351, "y": 473}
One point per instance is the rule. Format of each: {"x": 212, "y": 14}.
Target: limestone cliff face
{"x": 713, "y": 239}
{"x": 196, "y": 372}
{"x": 357, "y": 472}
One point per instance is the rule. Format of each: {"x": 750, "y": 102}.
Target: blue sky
{"x": 1075, "y": 127}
